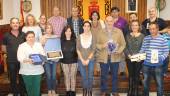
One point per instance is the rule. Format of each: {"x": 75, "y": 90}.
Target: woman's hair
{"x": 92, "y": 15}
{"x": 48, "y": 24}
{"x": 26, "y": 20}
{"x": 87, "y": 22}
{"x": 138, "y": 24}
{"x": 29, "y": 32}
{"x": 63, "y": 36}
{"x": 133, "y": 13}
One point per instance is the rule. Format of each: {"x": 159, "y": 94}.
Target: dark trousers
{"x": 134, "y": 69}
{"x": 13, "y": 69}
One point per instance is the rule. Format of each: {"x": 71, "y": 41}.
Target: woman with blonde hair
{"x": 50, "y": 65}
{"x": 31, "y": 25}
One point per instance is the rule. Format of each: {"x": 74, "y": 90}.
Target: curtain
{"x": 65, "y": 7}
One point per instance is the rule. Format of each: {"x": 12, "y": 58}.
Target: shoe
{"x": 89, "y": 92}
{"x": 72, "y": 93}
{"x": 115, "y": 94}
{"x": 103, "y": 94}
{"x": 84, "y": 92}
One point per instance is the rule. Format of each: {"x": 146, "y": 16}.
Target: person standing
{"x": 127, "y": 29}
{"x": 75, "y": 21}
{"x": 85, "y": 50}
{"x": 69, "y": 60}
{"x": 109, "y": 58}
{"x": 10, "y": 43}
{"x": 58, "y": 22}
{"x": 50, "y": 65}
{"x": 31, "y": 25}
{"x": 156, "y": 48}
{"x": 133, "y": 44}
{"x": 31, "y": 73}
{"x": 153, "y": 18}
{"x": 42, "y": 23}
{"x": 119, "y": 22}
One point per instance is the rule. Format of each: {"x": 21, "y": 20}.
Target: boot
{"x": 130, "y": 87}
{"x": 84, "y": 92}
{"x": 72, "y": 93}
{"x": 90, "y": 92}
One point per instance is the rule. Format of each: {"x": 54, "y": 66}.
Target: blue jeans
{"x": 105, "y": 67}
{"x": 157, "y": 74}
{"x": 87, "y": 74}
{"x": 50, "y": 70}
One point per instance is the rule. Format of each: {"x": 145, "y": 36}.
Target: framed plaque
{"x": 53, "y": 48}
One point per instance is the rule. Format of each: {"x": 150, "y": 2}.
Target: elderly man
{"x": 153, "y": 18}
{"x": 109, "y": 56}
{"x": 156, "y": 48}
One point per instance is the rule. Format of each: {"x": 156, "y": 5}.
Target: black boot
{"x": 130, "y": 90}
{"x": 84, "y": 92}
{"x": 89, "y": 92}
{"x": 72, "y": 93}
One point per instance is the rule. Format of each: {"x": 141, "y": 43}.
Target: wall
{"x": 7, "y": 11}
{"x": 11, "y": 8}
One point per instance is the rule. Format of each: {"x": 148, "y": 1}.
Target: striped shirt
{"x": 159, "y": 43}
{"x": 58, "y": 24}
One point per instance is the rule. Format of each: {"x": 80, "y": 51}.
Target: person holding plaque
{"x": 110, "y": 44}
{"x": 133, "y": 44}
{"x": 85, "y": 50}
{"x": 156, "y": 48}
{"x": 69, "y": 60}
{"x": 50, "y": 65}
{"x": 28, "y": 55}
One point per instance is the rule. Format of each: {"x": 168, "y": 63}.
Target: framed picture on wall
{"x": 131, "y": 6}
{"x": 1, "y": 9}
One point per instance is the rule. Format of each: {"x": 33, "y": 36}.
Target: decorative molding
{"x": 107, "y": 7}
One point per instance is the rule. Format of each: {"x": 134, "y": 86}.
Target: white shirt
{"x": 24, "y": 50}
{"x": 35, "y": 29}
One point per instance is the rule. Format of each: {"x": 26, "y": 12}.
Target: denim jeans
{"x": 113, "y": 66}
{"x": 157, "y": 74}
{"x": 50, "y": 70}
{"x": 87, "y": 74}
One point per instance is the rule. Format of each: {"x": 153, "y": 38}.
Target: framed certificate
{"x": 53, "y": 48}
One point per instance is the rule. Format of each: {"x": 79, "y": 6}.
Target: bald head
{"x": 109, "y": 21}
{"x": 152, "y": 12}
{"x": 56, "y": 11}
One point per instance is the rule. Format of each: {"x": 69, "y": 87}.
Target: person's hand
{"x": 129, "y": 56}
{"x": 87, "y": 62}
{"x": 28, "y": 61}
{"x": 105, "y": 45}
{"x": 168, "y": 31}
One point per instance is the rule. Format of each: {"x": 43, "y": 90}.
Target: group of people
{"x": 107, "y": 44}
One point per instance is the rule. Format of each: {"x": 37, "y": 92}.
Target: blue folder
{"x": 38, "y": 59}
